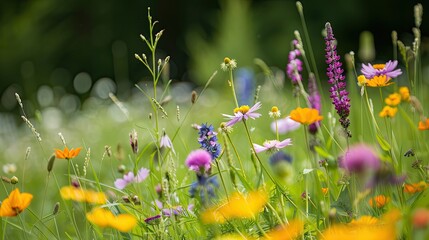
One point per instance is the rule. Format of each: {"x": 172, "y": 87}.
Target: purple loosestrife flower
{"x": 243, "y": 113}
{"x": 272, "y": 145}
{"x": 199, "y": 161}
{"x": 360, "y": 158}
{"x": 315, "y": 101}
{"x": 388, "y": 69}
{"x": 339, "y": 94}
{"x": 294, "y": 67}
{"x": 208, "y": 140}
{"x": 128, "y": 178}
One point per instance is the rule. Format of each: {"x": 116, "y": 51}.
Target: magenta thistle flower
{"x": 285, "y": 125}
{"x": 359, "y": 159}
{"x": 199, "y": 161}
{"x": 388, "y": 69}
{"x": 243, "y": 113}
{"x": 339, "y": 94}
{"x": 128, "y": 178}
{"x": 272, "y": 145}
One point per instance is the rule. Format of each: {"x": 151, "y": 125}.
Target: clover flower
{"x": 105, "y": 218}
{"x": 208, "y": 140}
{"x": 199, "y": 161}
{"x": 388, "y": 70}
{"x": 243, "y": 113}
{"x": 339, "y": 94}
{"x": 15, "y": 203}
{"x": 272, "y": 145}
{"x": 128, "y": 178}
{"x": 285, "y": 125}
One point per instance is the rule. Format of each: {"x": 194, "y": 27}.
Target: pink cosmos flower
{"x": 199, "y": 160}
{"x": 388, "y": 69}
{"x": 272, "y": 145}
{"x": 285, "y": 125}
{"x": 128, "y": 178}
{"x": 243, "y": 113}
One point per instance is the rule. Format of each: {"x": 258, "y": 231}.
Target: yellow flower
{"x": 388, "y": 112}
{"x": 378, "y": 201}
{"x": 424, "y": 125}
{"x": 15, "y": 203}
{"x": 376, "y": 81}
{"x": 104, "y": 218}
{"x": 66, "y": 153}
{"x": 393, "y": 100}
{"x": 82, "y": 195}
{"x": 233, "y": 236}
{"x": 238, "y": 206}
{"x": 293, "y": 230}
{"x": 405, "y": 93}
{"x": 305, "y": 116}
{"x": 415, "y": 187}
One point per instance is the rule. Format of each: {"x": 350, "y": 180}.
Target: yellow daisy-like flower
{"x": 238, "y": 206}
{"x": 15, "y": 203}
{"x": 379, "y": 201}
{"x": 376, "y": 81}
{"x": 305, "y": 116}
{"x": 105, "y": 218}
{"x": 393, "y": 99}
{"x": 405, "y": 93}
{"x": 291, "y": 231}
{"x": 66, "y": 153}
{"x": 82, "y": 195}
{"x": 388, "y": 111}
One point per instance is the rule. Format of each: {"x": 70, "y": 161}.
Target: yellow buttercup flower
{"x": 81, "y": 195}
{"x": 105, "y": 218}
{"x": 405, "y": 93}
{"x": 393, "y": 99}
{"x": 238, "y": 206}
{"x": 15, "y": 203}
{"x": 305, "y": 116}
{"x": 388, "y": 111}
{"x": 66, "y": 153}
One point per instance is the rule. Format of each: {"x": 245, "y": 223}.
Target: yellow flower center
{"x": 379, "y": 66}
{"x": 226, "y": 60}
{"x": 274, "y": 109}
{"x": 243, "y": 109}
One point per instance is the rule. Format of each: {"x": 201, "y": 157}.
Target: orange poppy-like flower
{"x": 378, "y": 201}
{"x": 81, "y": 195}
{"x": 415, "y": 187}
{"x": 405, "y": 93}
{"x": 393, "y": 99}
{"x": 238, "y": 206}
{"x": 388, "y": 111}
{"x": 66, "y": 153}
{"x": 424, "y": 125}
{"x": 305, "y": 116}
{"x": 291, "y": 231}
{"x": 105, "y": 218}
{"x": 15, "y": 203}
{"x": 376, "y": 81}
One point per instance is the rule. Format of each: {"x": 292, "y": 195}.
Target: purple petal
{"x": 284, "y": 143}
{"x": 259, "y": 148}
{"x": 368, "y": 71}
{"x": 120, "y": 183}
{"x": 142, "y": 175}
{"x": 129, "y": 177}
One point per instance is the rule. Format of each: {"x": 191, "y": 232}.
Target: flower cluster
{"x": 208, "y": 140}
{"x": 339, "y": 94}
{"x": 294, "y": 66}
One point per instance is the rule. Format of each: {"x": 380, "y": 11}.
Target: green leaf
{"x": 322, "y": 152}
{"x": 383, "y": 143}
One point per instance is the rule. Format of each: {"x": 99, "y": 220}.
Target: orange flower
{"x": 378, "y": 201}
{"x": 325, "y": 191}
{"x": 424, "y": 125}
{"x": 388, "y": 112}
{"x": 393, "y": 99}
{"x": 82, "y": 195}
{"x": 293, "y": 230}
{"x": 376, "y": 81}
{"x": 305, "y": 116}
{"x": 415, "y": 187}
{"x": 238, "y": 206}
{"x": 15, "y": 203}
{"x": 405, "y": 93}
{"x": 105, "y": 218}
{"x": 66, "y": 153}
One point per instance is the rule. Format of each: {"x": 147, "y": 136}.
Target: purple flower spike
{"x": 294, "y": 67}
{"x": 272, "y": 145}
{"x": 199, "y": 160}
{"x": 388, "y": 69}
{"x": 339, "y": 94}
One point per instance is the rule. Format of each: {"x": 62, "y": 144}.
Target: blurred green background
{"x": 75, "y": 44}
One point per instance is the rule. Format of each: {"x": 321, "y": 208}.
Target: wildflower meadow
{"x": 331, "y": 150}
